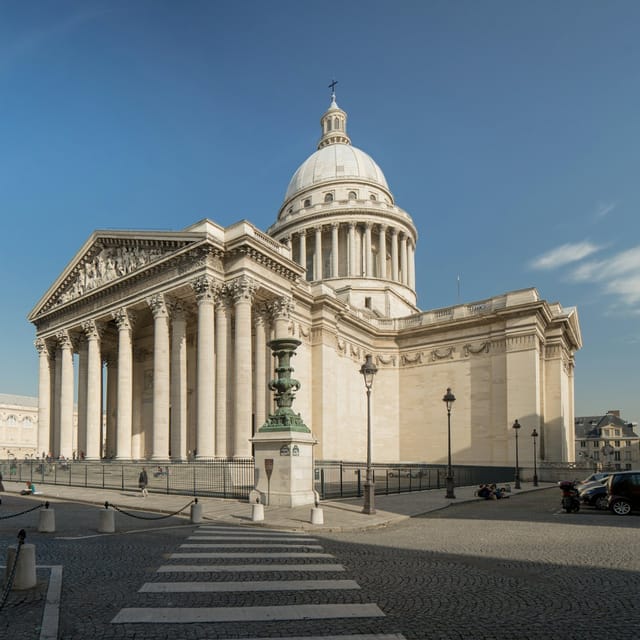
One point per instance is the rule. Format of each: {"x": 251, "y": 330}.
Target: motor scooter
{"x": 570, "y": 499}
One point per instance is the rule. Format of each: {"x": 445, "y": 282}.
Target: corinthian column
{"x": 368, "y": 254}
{"x": 66, "y": 395}
{"x": 82, "y": 395}
{"x": 403, "y": 260}
{"x": 44, "y": 397}
{"x": 302, "y": 238}
{"x": 160, "y": 436}
{"x": 205, "y": 289}
{"x": 318, "y": 254}
{"x": 394, "y": 254}
{"x": 411, "y": 259}
{"x": 94, "y": 391}
{"x": 260, "y": 377}
{"x": 352, "y": 249}
{"x": 124, "y": 320}
{"x": 224, "y": 370}
{"x": 178, "y": 383}
{"x": 335, "y": 264}
{"x": 243, "y": 290}
{"x": 382, "y": 253}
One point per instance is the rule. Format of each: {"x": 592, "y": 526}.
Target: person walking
{"x": 143, "y": 481}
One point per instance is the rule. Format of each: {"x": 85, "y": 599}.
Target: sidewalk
{"x": 339, "y": 515}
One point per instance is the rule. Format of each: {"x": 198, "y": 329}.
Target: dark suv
{"x": 623, "y": 488}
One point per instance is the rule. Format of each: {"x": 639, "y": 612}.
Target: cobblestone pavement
{"x": 513, "y": 569}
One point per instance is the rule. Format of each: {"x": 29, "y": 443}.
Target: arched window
{"x": 328, "y": 124}
{"x": 336, "y": 123}
{"x": 307, "y": 202}
{"x": 11, "y": 421}
{"x": 373, "y": 196}
{"x": 353, "y": 195}
{"x": 27, "y": 423}
{"x": 328, "y": 197}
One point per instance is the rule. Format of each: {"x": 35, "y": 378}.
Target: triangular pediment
{"x": 108, "y": 257}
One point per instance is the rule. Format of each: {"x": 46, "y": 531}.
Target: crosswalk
{"x": 236, "y": 579}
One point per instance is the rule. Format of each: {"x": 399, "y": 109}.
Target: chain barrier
{"x": 21, "y": 513}
{"x": 133, "y": 515}
{"x": 12, "y": 574}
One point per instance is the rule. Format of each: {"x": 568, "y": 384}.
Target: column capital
{"x": 64, "y": 339}
{"x": 124, "y": 318}
{"x": 394, "y": 231}
{"x": 335, "y": 225}
{"x": 368, "y": 224}
{"x": 318, "y": 228}
{"x": 352, "y": 224}
{"x": 281, "y": 308}
{"x": 205, "y": 288}
{"x": 92, "y": 329}
{"x": 43, "y": 347}
{"x": 159, "y": 306}
{"x": 178, "y": 310}
{"x": 383, "y": 227}
{"x": 242, "y": 289}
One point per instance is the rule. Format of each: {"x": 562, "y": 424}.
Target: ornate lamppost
{"x": 368, "y": 371}
{"x": 449, "y": 399}
{"x": 534, "y": 435}
{"x": 516, "y": 426}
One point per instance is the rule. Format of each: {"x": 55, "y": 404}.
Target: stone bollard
{"x": 47, "y": 520}
{"x": 107, "y": 522}
{"x": 317, "y": 516}
{"x": 25, "y": 575}
{"x": 257, "y": 512}
{"x": 196, "y": 512}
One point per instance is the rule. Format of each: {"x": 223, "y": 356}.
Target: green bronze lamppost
{"x": 516, "y": 426}
{"x": 449, "y": 399}
{"x": 368, "y": 371}
{"x": 534, "y": 435}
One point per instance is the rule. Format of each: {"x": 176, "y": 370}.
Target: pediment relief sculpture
{"x": 109, "y": 264}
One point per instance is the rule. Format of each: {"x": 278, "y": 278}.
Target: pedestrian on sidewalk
{"x": 143, "y": 481}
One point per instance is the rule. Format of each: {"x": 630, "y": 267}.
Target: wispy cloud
{"x": 605, "y": 208}
{"x": 563, "y": 255}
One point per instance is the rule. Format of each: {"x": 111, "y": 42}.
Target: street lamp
{"x": 516, "y": 426}
{"x": 368, "y": 370}
{"x": 449, "y": 399}
{"x": 534, "y": 435}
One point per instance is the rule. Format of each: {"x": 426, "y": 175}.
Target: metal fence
{"x": 217, "y": 478}
{"x": 234, "y": 478}
{"x": 339, "y": 479}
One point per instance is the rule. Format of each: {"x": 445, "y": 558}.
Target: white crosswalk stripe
{"x": 253, "y": 552}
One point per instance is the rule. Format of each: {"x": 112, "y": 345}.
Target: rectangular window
{"x": 595, "y": 444}
{"x": 616, "y": 455}
{"x": 583, "y": 444}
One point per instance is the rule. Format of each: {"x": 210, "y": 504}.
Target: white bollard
{"x": 47, "y": 521}
{"x": 25, "y": 575}
{"x": 107, "y": 523}
{"x": 257, "y": 512}
{"x": 196, "y": 513}
{"x": 317, "y": 516}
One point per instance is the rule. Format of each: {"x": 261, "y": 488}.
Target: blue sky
{"x": 509, "y": 130}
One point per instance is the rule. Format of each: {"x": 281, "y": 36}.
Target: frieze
{"x": 386, "y": 360}
{"x": 445, "y": 353}
{"x": 470, "y": 349}
{"x": 341, "y": 344}
{"x": 415, "y": 358}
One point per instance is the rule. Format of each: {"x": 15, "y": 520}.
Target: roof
{"x": 591, "y": 426}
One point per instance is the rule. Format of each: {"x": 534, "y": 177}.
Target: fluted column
{"x": 403, "y": 259}
{"x": 261, "y": 326}
{"x": 382, "y": 252}
{"x": 124, "y": 320}
{"x": 318, "y": 254}
{"x": 161, "y": 388}
{"x": 224, "y": 370}
{"x": 94, "y": 391}
{"x": 55, "y": 404}
{"x": 302, "y": 245}
{"x": 66, "y": 395}
{"x": 205, "y": 290}
{"x": 81, "y": 445}
{"x": 44, "y": 397}
{"x": 112, "y": 406}
{"x": 411, "y": 259}
{"x": 352, "y": 249}
{"x": 368, "y": 259}
{"x": 334, "y": 250}
{"x": 178, "y": 445}
{"x": 394, "y": 254}
{"x": 243, "y": 290}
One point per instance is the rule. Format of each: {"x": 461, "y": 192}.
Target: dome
{"x": 335, "y": 162}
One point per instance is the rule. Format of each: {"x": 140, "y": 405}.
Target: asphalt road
{"x": 512, "y": 569}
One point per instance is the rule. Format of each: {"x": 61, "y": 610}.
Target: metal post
{"x": 449, "y": 399}
{"x": 369, "y": 486}
{"x": 516, "y": 426}
{"x": 534, "y": 435}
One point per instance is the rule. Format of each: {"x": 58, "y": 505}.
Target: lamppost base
{"x": 517, "y": 483}
{"x": 369, "y": 498}
{"x": 535, "y": 481}
{"x": 450, "y": 495}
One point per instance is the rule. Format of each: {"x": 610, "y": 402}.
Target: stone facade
{"x": 170, "y": 332}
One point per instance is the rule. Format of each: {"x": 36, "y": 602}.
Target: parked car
{"x": 595, "y": 496}
{"x": 583, "y": 486}
{"x": 594, "y": 477}
{"x": 623, "y": 488}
